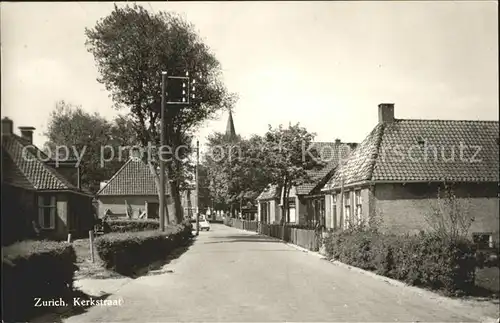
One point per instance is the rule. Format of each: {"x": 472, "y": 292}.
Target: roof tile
{"x": 134, "y": 178}
{"x": 29, "y": 170}
{"x": 425, "y": 150}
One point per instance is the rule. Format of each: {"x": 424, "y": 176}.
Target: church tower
{"x": 230, "y": 132}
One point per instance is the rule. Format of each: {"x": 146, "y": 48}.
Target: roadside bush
{"x": 425, "y": 260}
{"x": 132, "y": 225}
{"x": 127, "y": 251}
{"x": 42, "y": 269}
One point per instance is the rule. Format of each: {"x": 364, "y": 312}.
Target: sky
{"x": 326, "y": 65}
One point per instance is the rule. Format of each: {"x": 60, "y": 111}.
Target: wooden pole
{"x": 197, "y": 188}
{"x": 69, "y": 237}
{"x": 160, "y": 158}
{"x": 91, "y": 239}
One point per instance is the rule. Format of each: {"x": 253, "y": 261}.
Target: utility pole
{"x": 162, "y": 144}
{"x": 178, "y": 96}
{"x": 197, "y": 188}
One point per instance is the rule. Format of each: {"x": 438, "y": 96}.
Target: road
{"x": 229, "y": 275}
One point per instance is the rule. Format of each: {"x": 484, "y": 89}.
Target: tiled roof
{"x": 269, "y": 193}
{"x": 329, "y": 153}
{"x": 29, "y": 171}
{"x": 134, "y": 178}
{"x": 396, "y": 151}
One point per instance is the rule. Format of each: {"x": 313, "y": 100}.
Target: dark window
{"x": 483, "y": 240}
{"x": 47, "y": 211}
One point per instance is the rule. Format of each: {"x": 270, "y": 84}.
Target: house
{"x": 309, "y": 197}
{"x": 268, "y": 208}
{"x": 39, "y": 195}
{"x": 306, "y": 202}
{"x": 189, "y": 201}
{"x": 394, "y": 175}
{"x": 131, "y": 192}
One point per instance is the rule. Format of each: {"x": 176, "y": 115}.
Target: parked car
{"x": 204, "y": 224}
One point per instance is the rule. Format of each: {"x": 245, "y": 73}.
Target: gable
{"x": 134, "y": 178}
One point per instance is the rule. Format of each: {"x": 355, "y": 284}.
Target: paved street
{"x": 229, "y": 275}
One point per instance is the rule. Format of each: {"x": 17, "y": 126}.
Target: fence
{"x": 305, "y": 238}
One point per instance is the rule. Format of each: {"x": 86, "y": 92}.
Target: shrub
{"x": 43, "y": 269}
{"x": 128, "y": 251}
{"x": 424, "y": 260}
{"x": 132, "y": 225}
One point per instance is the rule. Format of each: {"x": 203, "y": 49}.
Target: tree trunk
{"x": 176, "y": 201}
{"x": 285, "y": 208}
{"x": 157, "y": 183}
{"x": 241, "y": 206}
{"x": 189, "y": 204}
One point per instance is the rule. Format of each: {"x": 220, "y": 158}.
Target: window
{"x": 358, "y": 202}
{"x": 347, "y": 208}
{"x": 263, "y": 210}
{"x": 322, "y": 212}
{"x": 483, "y": 240}
{"x": 47, "y": 212}
{"x": 334, "y": 211}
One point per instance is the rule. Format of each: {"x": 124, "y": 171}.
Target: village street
{"x": 229, "y": 275}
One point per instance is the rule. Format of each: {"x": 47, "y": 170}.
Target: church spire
{"x": 230, "y": 132}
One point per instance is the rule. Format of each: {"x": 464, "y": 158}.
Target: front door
{"x": 153, "y": 210}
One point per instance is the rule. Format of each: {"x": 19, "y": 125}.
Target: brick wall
{"x": 403, "y": 207}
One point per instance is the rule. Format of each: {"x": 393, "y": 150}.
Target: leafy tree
{"x": 83, "y": 134}
{"x": 131, "y": 47}
{"x": 284, "y": 156}
{"x": 235, "y": 173}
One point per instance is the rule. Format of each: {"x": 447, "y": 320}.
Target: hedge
{"x": 421, "y": 260}
{"x": 43, "y": 269}
{"x": 131, "y": 225}
{"x": 125, "y": 252}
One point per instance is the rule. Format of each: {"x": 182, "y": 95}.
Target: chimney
{"x": 102, "y": 184}
{"x": 136, "y": 152}
{"x": 385, "y": 112}
{"x": 27, "y": 133}
{"x": 7, "y": 126}
{"x": 337, "y": 142}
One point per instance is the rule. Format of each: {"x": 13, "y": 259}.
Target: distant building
{"x": 306, "y": 205}
{"x": 39, "y": 196}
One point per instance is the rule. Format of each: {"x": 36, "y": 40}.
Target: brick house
{"x": 396, "y": 171}
{"x": 39, "y": 196}
{"x": 131, "y": 187}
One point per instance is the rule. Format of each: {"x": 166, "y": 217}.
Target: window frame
{"x": 347, "y": 208}
{"x": 42, "y": 207}
{"x": 358, "y": 202}
{"x": 334, "y": 210}
{"x": 488, "y": 244}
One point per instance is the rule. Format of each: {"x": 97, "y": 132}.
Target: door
{"x": 153, "y": 210}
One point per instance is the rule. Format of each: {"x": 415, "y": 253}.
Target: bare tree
{"x": 450, "y": 217}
